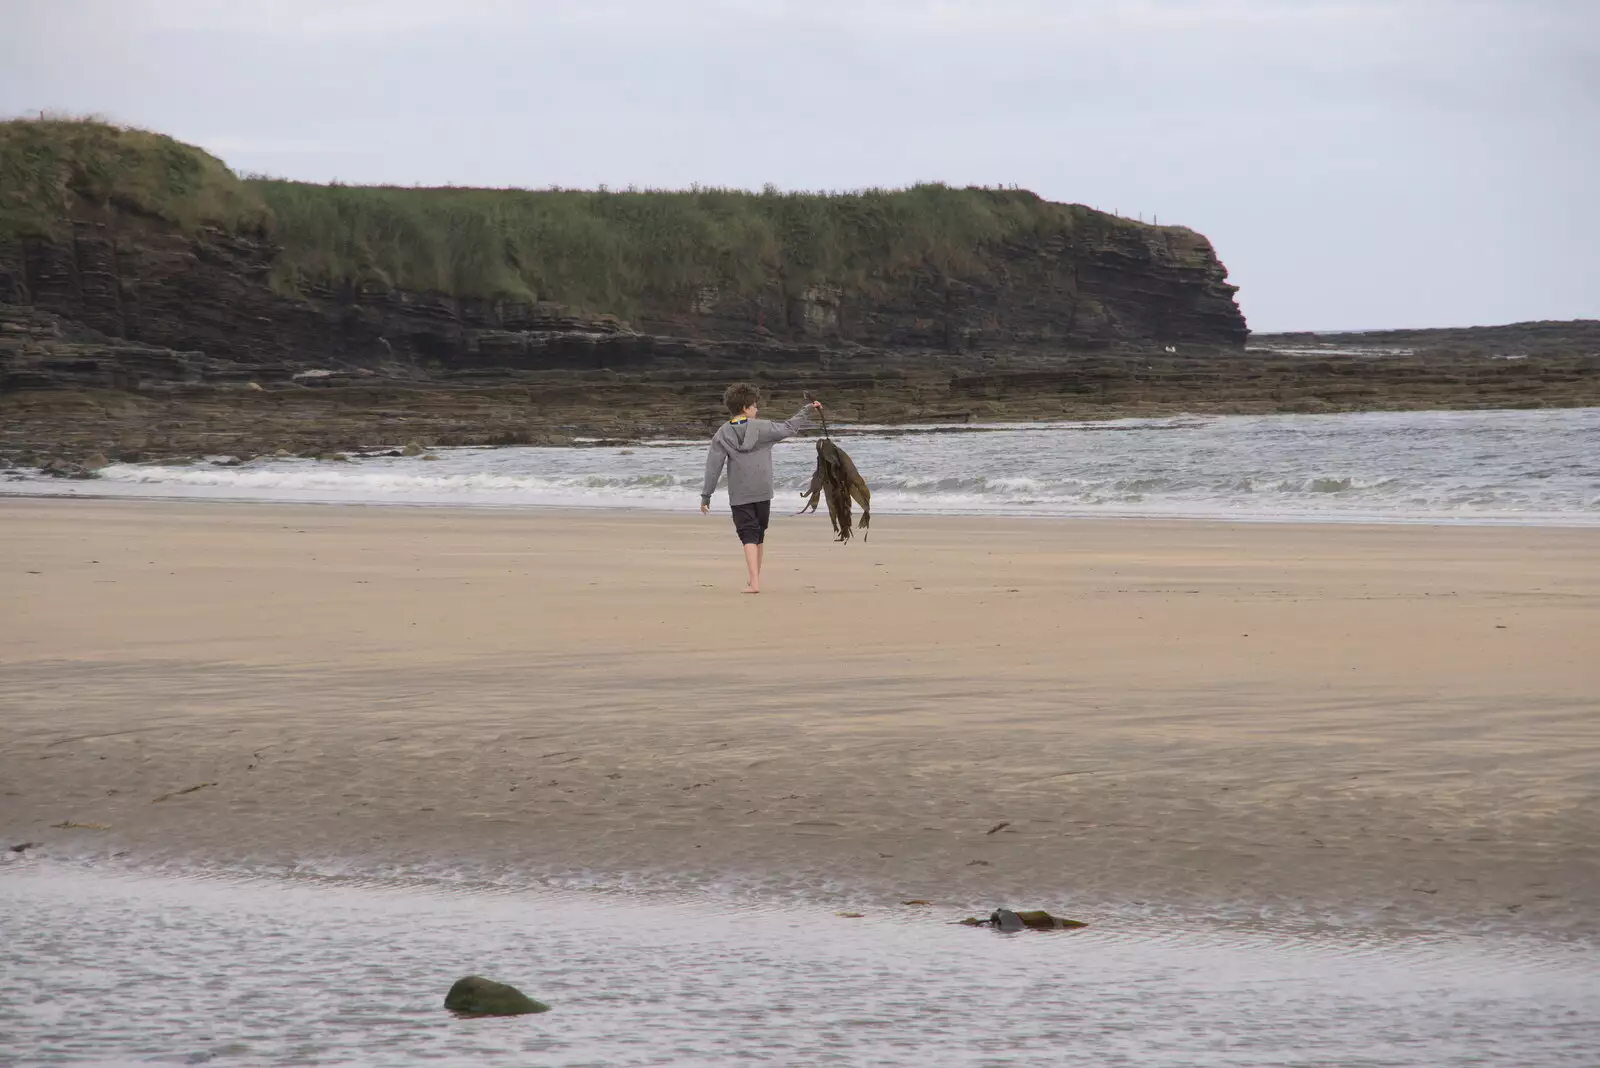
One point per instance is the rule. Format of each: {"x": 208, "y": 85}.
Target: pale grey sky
{"x": 1357, "y": 163}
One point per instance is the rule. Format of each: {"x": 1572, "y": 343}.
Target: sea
{"x": 1532, "y": 467}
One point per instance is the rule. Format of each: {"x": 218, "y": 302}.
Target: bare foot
{"x": 751, "y": 589}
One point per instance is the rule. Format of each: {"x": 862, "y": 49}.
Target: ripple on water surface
{"x": 119, "y": 968}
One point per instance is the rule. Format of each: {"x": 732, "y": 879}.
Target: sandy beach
{"x": 1385, "y": 725}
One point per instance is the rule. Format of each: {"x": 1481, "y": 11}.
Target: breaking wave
{"x": 1483, "y": 467}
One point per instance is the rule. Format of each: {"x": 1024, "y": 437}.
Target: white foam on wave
{"x": 413, "y": 482}
{"x": 1478, "y": 467}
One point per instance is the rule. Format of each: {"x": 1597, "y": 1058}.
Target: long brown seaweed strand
{"x": 837, "y": 481}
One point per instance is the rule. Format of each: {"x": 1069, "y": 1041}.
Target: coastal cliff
{"x": 138, "y": 237}
{"x": 152, "y": 300}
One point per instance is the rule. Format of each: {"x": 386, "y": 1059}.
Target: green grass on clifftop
{"x": 603, "y": 249}
{"x": 597, "y": 250}
{"x": 52, "y": 170}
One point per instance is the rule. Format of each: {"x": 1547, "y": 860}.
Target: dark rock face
{"x": 156, "y": 289}
{"x": 1104, "y": 287}
{"x": 473, "y": 995}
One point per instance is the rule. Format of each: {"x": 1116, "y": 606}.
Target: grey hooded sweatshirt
{"x": 745, "y": 448}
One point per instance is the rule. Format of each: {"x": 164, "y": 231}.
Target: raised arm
{"x": 788, "y": 428}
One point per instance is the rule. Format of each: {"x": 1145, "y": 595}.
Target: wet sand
{"x": 1395, "y": 726}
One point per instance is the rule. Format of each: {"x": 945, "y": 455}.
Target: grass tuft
{"x": 57, "y": 168}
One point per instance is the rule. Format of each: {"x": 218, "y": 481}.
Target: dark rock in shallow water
{"x": 476, "y": 996}
{"x": 1030, "y": 920}
{"x": 58, "y": 468}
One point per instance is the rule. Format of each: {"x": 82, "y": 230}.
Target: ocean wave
{"x": 1536, "y": 466}
{"x": 352, "y": 476}
{"x": 355, "y": 478}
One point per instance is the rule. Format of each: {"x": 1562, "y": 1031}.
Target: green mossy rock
{"x": 1040, "y": 920}
{"x": 474, "y": 995}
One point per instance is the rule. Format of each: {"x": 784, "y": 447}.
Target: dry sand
{"x": 1392, "y": 725}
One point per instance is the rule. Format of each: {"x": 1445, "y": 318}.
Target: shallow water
{"x": 1535, "y": 467}
{"x": 118, "y": 967}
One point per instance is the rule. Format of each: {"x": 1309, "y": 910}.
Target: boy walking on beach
{"x": 744, "y": 445}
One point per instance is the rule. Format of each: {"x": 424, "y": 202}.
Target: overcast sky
{"x": 1358, "y": 164}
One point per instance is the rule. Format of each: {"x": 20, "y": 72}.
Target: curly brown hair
{"x": 740, "y": 396}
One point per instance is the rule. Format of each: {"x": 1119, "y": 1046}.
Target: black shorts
{"x": 750, "y": 520}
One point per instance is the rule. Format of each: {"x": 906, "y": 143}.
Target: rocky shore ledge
{"x": 72, "y": 398}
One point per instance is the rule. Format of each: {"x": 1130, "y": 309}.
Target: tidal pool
{"x": 120, "y": 967}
